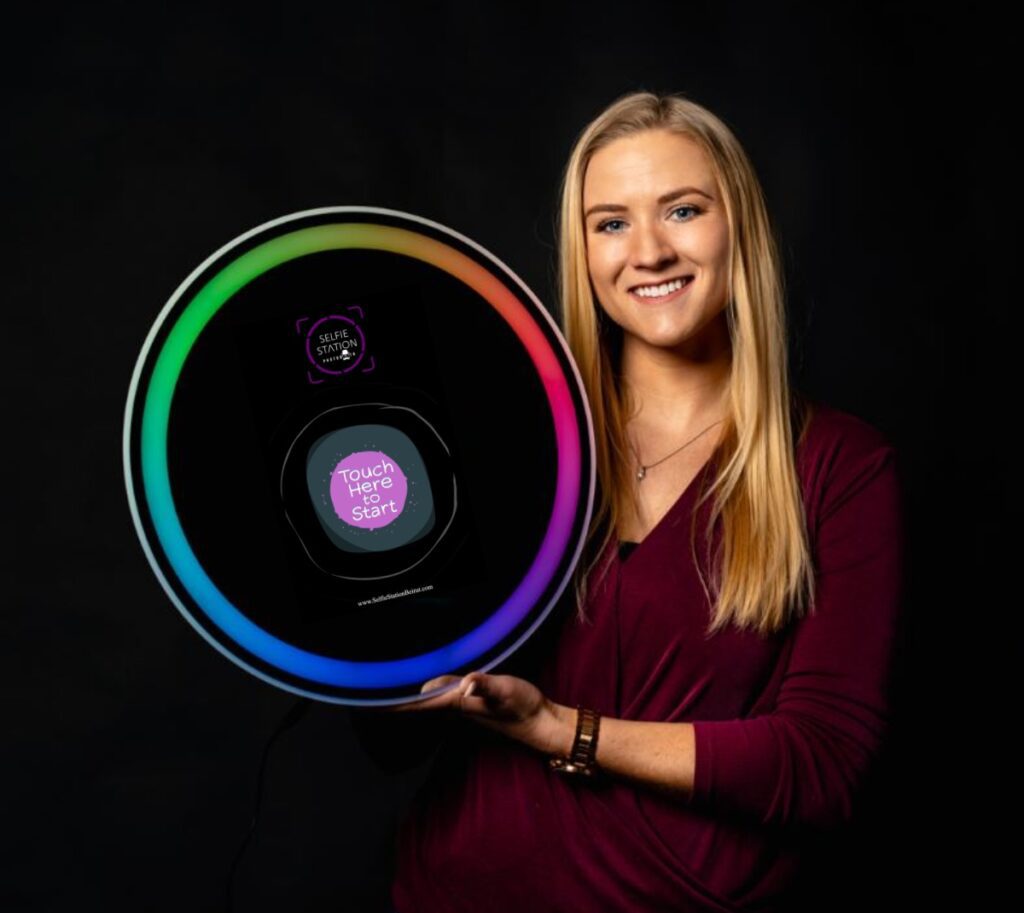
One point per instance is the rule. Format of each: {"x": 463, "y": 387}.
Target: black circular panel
{"x": 358, "y": 454}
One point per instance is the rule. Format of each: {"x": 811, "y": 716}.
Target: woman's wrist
{"x": 557, "y": 731}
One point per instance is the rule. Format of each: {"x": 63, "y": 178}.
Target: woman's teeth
{"x": 660, "y": 291}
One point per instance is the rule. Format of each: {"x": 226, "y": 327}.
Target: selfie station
{"x": 358, "y": 454}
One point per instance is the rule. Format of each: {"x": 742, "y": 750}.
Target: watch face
{"x": 358, "y": 454}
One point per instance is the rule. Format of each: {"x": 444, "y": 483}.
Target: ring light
{"x": 358, "y": 454}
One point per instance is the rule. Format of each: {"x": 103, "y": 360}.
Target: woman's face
{"x": 653, "y": 214}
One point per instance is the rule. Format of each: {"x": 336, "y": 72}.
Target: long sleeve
{"x": 803, "y": 762}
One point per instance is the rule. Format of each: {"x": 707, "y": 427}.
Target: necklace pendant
{"x": 640, "y": 473}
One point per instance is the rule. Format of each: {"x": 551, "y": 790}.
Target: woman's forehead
{"x": 646, "y": 165}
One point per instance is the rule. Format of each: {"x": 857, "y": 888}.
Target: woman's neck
{"x": 675, "y": 392}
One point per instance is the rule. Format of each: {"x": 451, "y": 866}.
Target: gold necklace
{"x": 642, "y": 471}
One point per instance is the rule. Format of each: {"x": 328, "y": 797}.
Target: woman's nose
{"x": 651, "y": 249}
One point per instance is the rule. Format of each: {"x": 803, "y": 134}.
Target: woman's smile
{"x": 661, "y": 293}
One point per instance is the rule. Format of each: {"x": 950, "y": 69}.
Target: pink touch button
{"x": 368, "y": 489}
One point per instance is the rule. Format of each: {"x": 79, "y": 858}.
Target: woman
{"x": 721, "y": 690}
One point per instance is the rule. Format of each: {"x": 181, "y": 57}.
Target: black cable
{"x": 294, "y": 714}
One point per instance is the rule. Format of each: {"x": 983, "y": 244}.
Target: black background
{"x": 141, "y": 138}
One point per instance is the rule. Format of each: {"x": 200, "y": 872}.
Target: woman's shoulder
{"x": 833, "y": 430}
{"x": 838, "y": 454}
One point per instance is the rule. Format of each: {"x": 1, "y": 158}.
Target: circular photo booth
{"x": 358, "y": 454}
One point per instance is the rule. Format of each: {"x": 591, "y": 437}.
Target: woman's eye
{"x": 693, "y": 209}
{"x": 604, "y": 226}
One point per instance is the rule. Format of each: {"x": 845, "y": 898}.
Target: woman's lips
{"x": 658, "y": 299}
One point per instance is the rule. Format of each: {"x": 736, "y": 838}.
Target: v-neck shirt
{"x": 786, "y": 725}
{"x": 626, "y": 547}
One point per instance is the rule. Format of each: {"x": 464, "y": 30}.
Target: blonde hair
{"x": 762, "y": 575}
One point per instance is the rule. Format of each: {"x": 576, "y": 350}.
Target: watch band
{"x": 581, "y": 760}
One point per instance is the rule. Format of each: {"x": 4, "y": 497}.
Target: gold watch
{"x": 584, "y": 747}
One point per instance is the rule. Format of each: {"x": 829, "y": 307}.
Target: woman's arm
{"x": 803, "y": 762}
{"x": 659, "y": 755}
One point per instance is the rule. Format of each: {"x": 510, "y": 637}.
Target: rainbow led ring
{"x": 156, "y": 406}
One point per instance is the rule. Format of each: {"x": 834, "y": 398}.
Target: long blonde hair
{"x": 762, "y": 575}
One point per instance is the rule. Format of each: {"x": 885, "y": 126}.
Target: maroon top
{"x": 786, "y": 726}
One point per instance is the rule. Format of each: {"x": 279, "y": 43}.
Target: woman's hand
{"x": 507, "y": 704}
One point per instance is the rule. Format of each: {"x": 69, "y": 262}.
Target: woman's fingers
{"x": 467, "y": 695}
{"x": 438, "y": 682}
{"x": 450, "y": 699}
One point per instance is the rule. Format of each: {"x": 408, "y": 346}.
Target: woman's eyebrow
{"x": 664, "y": 198}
